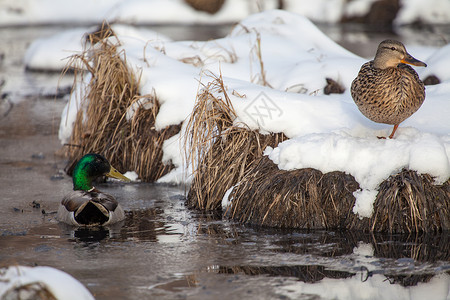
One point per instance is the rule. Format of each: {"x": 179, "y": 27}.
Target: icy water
{"x": 165, "y": 251}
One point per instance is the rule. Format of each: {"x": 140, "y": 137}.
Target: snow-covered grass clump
{"x": 274, "y": 65}
{"x": 39, "y": 281}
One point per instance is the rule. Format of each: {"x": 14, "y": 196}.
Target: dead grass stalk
{"x": 101, "y": 125}
{"x": 219, "y": 151}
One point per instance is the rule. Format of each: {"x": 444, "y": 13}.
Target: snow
{"x": 358, "y": 7}
{"x": 326, "y": 132}
{"x": 32, "y": 12}
{"x": 144, "y": 11}
{"x": 364, "y": 202}
{"x": 144, "y": 103}
{"x": 59, "y": 283}
{"x": 132, "y": 175}
{"x": 320, "y": 11}
{"x": 69, "y": 113}
{"x": 29, "y": 12}
{"x": 430, "y": 11}
{"x": 440, "y": 60}
{"x": 173, "y": 151}
{"x": 226, "y": 200}
{"x": 53, "y": 53}
{"x": 63, "y": 45}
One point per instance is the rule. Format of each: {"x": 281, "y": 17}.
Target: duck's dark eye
{"x": 393, "y": 48}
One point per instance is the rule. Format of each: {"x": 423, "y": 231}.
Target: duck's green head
{"x": 91, "y": 166}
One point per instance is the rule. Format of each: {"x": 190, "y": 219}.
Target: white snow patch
{"x": 30, "y": 12}
{"x": 132, "y": 175}
{"x": 59, "y": 283}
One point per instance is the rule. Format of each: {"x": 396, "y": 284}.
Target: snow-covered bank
{"x": 31, "y": 12}
{"x": 53, "y": 53}
{"x": 288, "y": 53}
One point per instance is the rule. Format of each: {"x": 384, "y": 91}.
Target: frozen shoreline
{"x": 326, "y": 132}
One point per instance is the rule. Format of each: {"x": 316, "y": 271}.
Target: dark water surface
{"x": 165, "y": 251}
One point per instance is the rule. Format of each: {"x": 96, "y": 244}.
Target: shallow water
{"x": 165, "y": 251}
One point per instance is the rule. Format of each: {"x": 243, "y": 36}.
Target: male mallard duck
{"x": 387, "y": 90}
{"x": 86, "y": 205}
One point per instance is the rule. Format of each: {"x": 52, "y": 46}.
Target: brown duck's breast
{"x": 387, "y": 96}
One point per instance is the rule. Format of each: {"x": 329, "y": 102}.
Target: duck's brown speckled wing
{"x": 75, "y": 199}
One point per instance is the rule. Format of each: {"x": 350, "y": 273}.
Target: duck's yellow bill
{"x": 413, "y": 61}
{"x": 116, "y": 174}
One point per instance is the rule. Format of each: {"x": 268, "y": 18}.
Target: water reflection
{"x": 404, "y": 252}
{"x": 165, "y": 251}
{"x": 90, "y": 235}
{"x": 303, "y": 273}
{"x": 143, "y": 225}
{"x": 316, "y": 273}
{"x": 417, "y": 246}
{"x": 401, "y": 259}
{"x": 139, "y": 226}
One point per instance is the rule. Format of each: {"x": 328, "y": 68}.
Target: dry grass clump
{"x": 304, "y": 198}
{"x": 101, "y": 125}
{"x": 219, "y": 151}
{"x": 226, "y": 155}
{"x": 308, "y": 199}
{"x": 410, "y": 202}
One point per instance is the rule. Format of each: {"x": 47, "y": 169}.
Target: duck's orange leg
{"x": 393, "y": 131}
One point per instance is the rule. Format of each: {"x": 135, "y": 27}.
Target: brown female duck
{"x": 387, "y": 90}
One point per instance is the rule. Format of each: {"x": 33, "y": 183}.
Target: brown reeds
{"x": 101, "y": 124}
{"x": 304, "y": 198}
{"x": 411, "y": 202}
{"x": 219, "y": 151}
